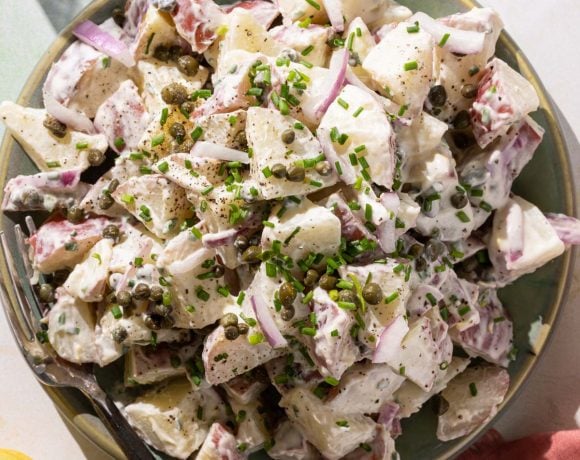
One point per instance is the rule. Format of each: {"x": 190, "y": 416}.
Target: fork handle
{"x": 127, "y": 439}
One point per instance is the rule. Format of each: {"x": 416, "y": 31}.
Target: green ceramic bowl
{"x": 539, "y": 294}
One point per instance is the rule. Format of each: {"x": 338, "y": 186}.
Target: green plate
{"x": 539, "y": 294}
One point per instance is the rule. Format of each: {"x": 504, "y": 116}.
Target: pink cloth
{"x": 559, "y": 445}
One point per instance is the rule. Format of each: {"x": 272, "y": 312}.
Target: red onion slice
{"x": 267, "y": 323}
{"x": 91, "y": 34}
{"x": 78, "y": 121}
{"x": 567, "y": 228}
{"x": 205, "y": 149}
{"x": 338, "y": 66}
{"x": 387, "y": 414}
{"x": 218, "y": 239}
{"x": 334, "y": 12}
{"x": 390, "y": 340}
{"x": 458, "y": 41}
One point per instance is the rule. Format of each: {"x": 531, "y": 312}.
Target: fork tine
{"x": 22, "y": 326}
{"x": 23, "y": 248}
{"x": 30, "y": 225}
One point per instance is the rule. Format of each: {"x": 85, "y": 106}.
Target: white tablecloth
{"x": 549, "y": 36}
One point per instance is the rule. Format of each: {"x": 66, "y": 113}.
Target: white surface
{"x": 29, "y": 421}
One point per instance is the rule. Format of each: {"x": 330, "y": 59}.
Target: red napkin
{"x": 559, "y": 445}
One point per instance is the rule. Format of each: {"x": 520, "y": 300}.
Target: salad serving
{"x": 289, "y": 220}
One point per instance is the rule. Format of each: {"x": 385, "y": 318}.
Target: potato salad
{"x": 287, "y": 220}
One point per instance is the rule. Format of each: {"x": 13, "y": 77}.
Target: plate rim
{"x": 108, "y": 445}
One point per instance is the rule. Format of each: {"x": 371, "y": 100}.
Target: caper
{"x": 113, "y": 185}
{"x": 177, "y": 131}
{"x": 437, "y": 95}
{"x": 75, "y": 214}
{"x": 162, "y": 309}
{"x": 106, "y": 201}
{"x": 287, "y": 294}
{"x": 187, "y": 107}
{"x": 175, "y": 52}
{"x": 242, "y": 140}
{"x": 459, "y": 200}
{"x": 470, "y": 264}
{"x": 323, "y": 168}
{"x": 119, "y": 16}
{"x": 295, "y": 173}
{"x": 182, "y": 146}
{"x": 156, "y": 294}
{"x": 347, "y": 295}
{"x": 141, "y": 291}
{"x": 161, "y": 52}
{"x": 288, "y": 136}
{"x": 111, "y": 231}
{"x": 279, "y": 170}
{"x": 241, "y": 243}
{"x": 469, "y": 91}
{"x": 327, "y": 282}
{"x": 243, "y": 328}
{"x": 31, "y": 199}
{"x": 218, "y": 271}
{"x": 124, "y": 298}
{"x": 287, "y": 313}
{"x": 461, "y": 120}
{"x": 153, "y": 321}
{"x": 311, "y": 277}
{"x": 46, "y": 293}
{"x": 372, "y": 293}
{"x": 231, "y": 332}
{"x": 415, "y": 250}
{"x": 229, "y": 319}
{"x": 252, "y": 254}
{"x": 57, "y": 128}
{"x": 420, "y": 264}
{"x": 434, "y": 249}
{"x": 174, "y": 93}
{"x": 119, "y": 334}
{"x": 188, "y": 65}
{"x": 95, "y": 157}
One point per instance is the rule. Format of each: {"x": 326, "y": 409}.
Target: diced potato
{"x": 401, "y": 65}
{"x": 225, "y": 129}
{"x": 159, "y": 204}
{"x": 264, "y": 128}
{"x": 197, "y": 22}
{"x": 310, "y": 42}
{"x": 362, "y": 44}
{"x": 290, "y": 444}
{"x": 252, "y": 431}
{"x": 219, "y": 444}
{"x": 299, "y": 10}
{"x": 156, "y": 29}
{"x": 48, "y": 152}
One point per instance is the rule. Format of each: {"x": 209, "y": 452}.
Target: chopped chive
{"x": 368, "y": 212}
{"x": 98, "y": 257}
{"x": 309, "y": 331}
{"x": 196, "y": 232}
{"x": 82, "y": 145}
{"x": 411, "y": 65}
{"x": 127, "y": 198}
{"x": 473, "y": 70}
{"x": 499, "y": 319}
{"x": 332, "y": 381}
{"x": 292, "y": 235}
{"x": 196, "y": 133}
{"x": 308, "y": 297}
{"x": 462, "y": 216}
{"x": 283, "y": 107}
{"x": 145, "y": 169}
{"x": 394, "y": 296}
{"x": 241, "y": 297}
{"x": 53, "y": 164}
{"x": 267, "y": 223}
{"x": 402, "y": 110}
{"x": 149, "y": 40}
{"x": 342, "y": 423}
{"x": 202, "y": 294}
{"x": 306, "y": 64}
{"x": 271, "y": 270}
{"x": 444, "y": 40}
{"x": 163, "y": 167}
{"x": 344, "y": 284}
{"x": 357, "y": 112}
{"x": 119, "y": 143}
{"x": 298, "y": 125}
{"x": 223, "y": 291}
{"x": 338, "y": 168}
{"x": 255, "y": 92}
{"x": 485, "y": 206}
{"x": 399, "y": 268}
{"x": 164, "y": 115}
{"x": 431, "y": 298}
{"x": 360, "y": 148}
{"x": 267, "y": 172}
{"x": 473, "y": 389}
{"x": 306, "y": 51}
{"x": 464, "y": 310}
{"x": 347, "y": 305}
{"x": 476, "y": 192}
{"x": 117, "y": 312}
{"x": 350, "y": 41}
{"x": 334, "y": 333}
{"x": 342, "y": 103}
{"x": 201, "y": 94}
{"x": 364, "y": 163}
{"x": 353, "y": 159}
{"x": 313, "y": 4}
{"x": 402, "y": 370}
{"x": 256, "y": 338}
{"x": 106, "y": 62}
{"x": 342, "y": 139}
{"x": 358, "y": 32}
{"x": 366, "y": 176}
{"x": 315, "y": 183}
{"x": 207, "y": 190}
{"x": 134, "y": 156}
{"x": 414, "y": 28}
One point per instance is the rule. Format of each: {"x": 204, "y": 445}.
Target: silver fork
{"x": 24, "y": 319}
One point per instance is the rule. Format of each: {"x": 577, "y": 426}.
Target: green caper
{"x": 459, "y": 200}
{"x": 372, "y": 293}
{"x": 175, "y": 52}
{"x": 241, "y": 243}
{"x": 279, "y": 170}
{"x": 311, "y": 277}
{"x": 153, "y": 321}
{"x": 177, "y": 131}
{"x": 46, "y": 293}
{"x": 119, "y": 334}
{"x": 124, "y": 298}
{"x": 323, "y": 168}
{"x": 229, "y": 319}
{"x": 327, "y": 282}
{"x": 188, "y": 65}
{"x": 434, "y": 249}
{"x": 181, "y": 145}
{"x": 469, "y": 91}
{"x": 295, "y": 173}
{"x": 57, "y": 128}
{"x": 218, "y": 271}
{"x": 74, "y": 214}
{"x": 287, "y": 313}
{"x": 461, "y": 120}
{"x": 415, "y": 250}
{"x": 156, "y": 294}
{"x": 437, "y": 96}
{"x": 31, "y": 199}
{"x": 161, "y": 52}
{"x": 111, "y": 231}
{"x": 113, "y": 185}
{"x": 252, "y": 254}
{"x": 231, "y": 332}
{"x": 420, "y": 264}
{"x": 162, "y": 309}
{"x": 347, "y": 295}
{"x": 288, "y": 136}
{"x": 106, "y": 201}
{"x": 242, "y": 140}
{"x": 141, "y": 291}
{"x": 95, "y": 157}
{"x": 174, "y": 93}
{"x": 187, "y": 107}
{"x": 243, "y": 328}
{"x": 119, "y": 16}
{"x": 287, "y": 294}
